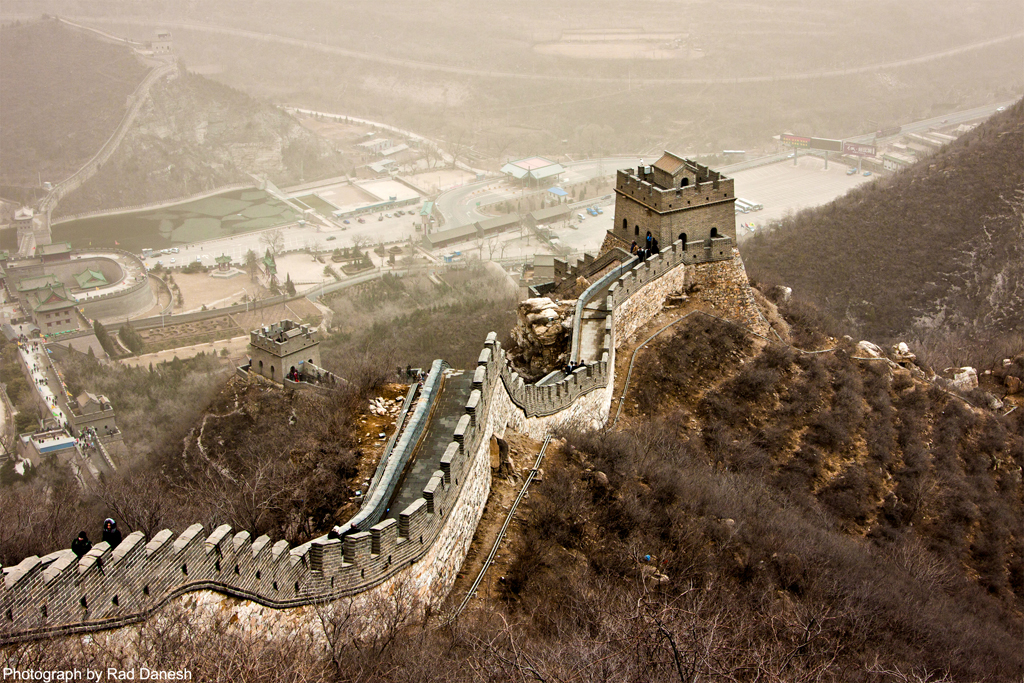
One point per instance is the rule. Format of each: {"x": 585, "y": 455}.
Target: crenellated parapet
{"x": 60, "y": 594}
{"x": 549, "y": 399}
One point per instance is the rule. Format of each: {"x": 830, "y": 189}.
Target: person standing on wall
{"x": 81, "y": 545}
{"x": 111, "y": 534}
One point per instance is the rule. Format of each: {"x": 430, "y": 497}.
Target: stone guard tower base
{"x": 278, "y": 349}
{"x": 676, "y": 198}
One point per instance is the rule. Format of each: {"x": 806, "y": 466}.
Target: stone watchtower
{"x": 675, "y": 199}
{"x": 33, "y": 229}
{"x": 277, "y": 350}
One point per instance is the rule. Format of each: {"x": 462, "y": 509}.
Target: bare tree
{"x": 273, "y": 240}
{"x": 136, "y": 498}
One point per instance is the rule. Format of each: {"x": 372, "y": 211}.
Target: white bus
{"x": 749, "y": 205}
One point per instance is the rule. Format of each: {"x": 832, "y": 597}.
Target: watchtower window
{"x": 636, "y": 230}
{"x": 714, "y": 233}
{"x": 625, "y": 225}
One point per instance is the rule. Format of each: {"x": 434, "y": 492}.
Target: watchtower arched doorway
{"x": 714, "y": 233}
{"x": 682, "y": 238}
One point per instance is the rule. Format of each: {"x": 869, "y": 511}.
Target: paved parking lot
{"x": 784, "y": 188}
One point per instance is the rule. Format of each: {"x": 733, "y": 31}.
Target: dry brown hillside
{"x": 934, "y": 253}
{"x": 195, "y": 135}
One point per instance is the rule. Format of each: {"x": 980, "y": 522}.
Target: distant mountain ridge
{"x": 64, "y": 94}
{"x": 934, "y": 252}
{"x": 194, "y": 135}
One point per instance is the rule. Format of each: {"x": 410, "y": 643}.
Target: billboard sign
{"x": 827, "y": 145}
{"x": 795, "y": 140}
{"x": 859, "y": 149}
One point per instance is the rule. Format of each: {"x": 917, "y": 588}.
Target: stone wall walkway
{"x": 451, "y": 405}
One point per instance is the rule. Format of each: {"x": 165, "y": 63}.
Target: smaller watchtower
{"x": 280, "y": 349}
{"x": 162, "y": 44}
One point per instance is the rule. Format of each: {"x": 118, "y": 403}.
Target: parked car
{"x": 598, "y": 210}
{"x": 387, "y": 215}
{"x": 331, "y": 238}
{"x": 851, "y": 171}
{"x": 867, "y": 173}
{"x": 346, "y": 221}
{"x": 381, "y": 217}
{"x": 361, "y": 219}
{"x": 581, "y": 216}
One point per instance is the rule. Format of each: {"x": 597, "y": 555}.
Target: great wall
{"x": 423, "y": 543}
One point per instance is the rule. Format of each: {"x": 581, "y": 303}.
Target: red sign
{"x": 795, "y": 140}
{"x": 859, "y": 149}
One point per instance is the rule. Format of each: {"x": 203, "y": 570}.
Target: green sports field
{"x": 222, "y": 215}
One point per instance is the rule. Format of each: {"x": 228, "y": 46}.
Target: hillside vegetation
{"x": 805, "y": 515}
{"x": 194, "y": 135}
{"x": 934, "y": 253}
{"x": 758, "y": 514}
{"x": 64, "y": 93}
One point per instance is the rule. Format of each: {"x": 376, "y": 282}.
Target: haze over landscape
{"x": 383, "y": 334}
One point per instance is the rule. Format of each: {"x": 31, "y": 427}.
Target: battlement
{"x": 60, "y": 594}
{"x": 644, "y": 188}
{"x": 283, "y": 338}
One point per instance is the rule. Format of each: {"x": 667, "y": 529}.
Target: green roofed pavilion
{"x": 90, "y": 278}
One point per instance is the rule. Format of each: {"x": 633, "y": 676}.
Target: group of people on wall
{"x": 111, "y": 535}
{"x": 649, "y": 249}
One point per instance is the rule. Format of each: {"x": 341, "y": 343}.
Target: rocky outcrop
{"x": 542, "y": 336}
{"x": 902, "y": 354}
{"x": 868, "y": 349}
{"x": 964, "y": 379}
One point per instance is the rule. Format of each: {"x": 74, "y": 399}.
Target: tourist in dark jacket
{"x": 81, "y": 545}
{"x": 111, "y": 534}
